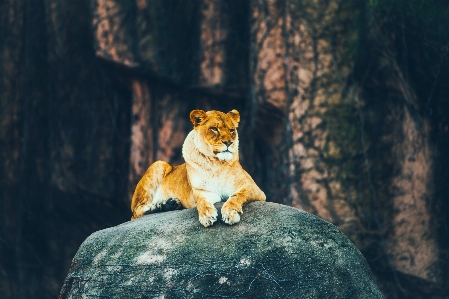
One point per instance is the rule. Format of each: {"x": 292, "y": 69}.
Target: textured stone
{"x": 274, "y": 252}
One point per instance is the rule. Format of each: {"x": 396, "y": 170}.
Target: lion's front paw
{"x": 229, "y": 215}
{"x": 208, "y": 216}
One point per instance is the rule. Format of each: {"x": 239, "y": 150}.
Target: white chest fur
{"x": 220, "y": 183}
{"x": 207, "y": 173}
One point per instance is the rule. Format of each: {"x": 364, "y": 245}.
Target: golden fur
{"x": 211, "y": 173}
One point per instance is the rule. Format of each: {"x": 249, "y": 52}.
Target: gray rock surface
{"x": 274, "y": 252}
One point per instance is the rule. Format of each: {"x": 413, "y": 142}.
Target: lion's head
{"x": 216, "y": 133}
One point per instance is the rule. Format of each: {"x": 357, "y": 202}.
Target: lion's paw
{"x": 229, "y": 215}
{"x": 151, "y": 208}
{"x": 208, "y": 217}
{"x": 171, "y": 204}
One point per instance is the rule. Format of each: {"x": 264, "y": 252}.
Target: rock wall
{"x": 344, "y": 110}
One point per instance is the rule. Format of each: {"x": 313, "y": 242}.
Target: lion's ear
{"x": 197, "y": 116}
{"x": 235, "y": 116}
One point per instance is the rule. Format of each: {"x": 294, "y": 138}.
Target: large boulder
{"x": 274, "y": 252}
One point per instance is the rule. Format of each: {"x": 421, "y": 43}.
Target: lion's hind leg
{"x": 147, "y": 197}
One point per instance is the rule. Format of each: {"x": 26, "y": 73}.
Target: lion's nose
{"x": 227, "y": 142}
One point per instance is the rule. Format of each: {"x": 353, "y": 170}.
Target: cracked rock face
{"x": 274, "y": 252}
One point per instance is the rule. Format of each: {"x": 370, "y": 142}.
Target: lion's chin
{"x": 224, "y": 156}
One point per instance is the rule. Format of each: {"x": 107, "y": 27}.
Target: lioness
{"x": 212, "y": 173}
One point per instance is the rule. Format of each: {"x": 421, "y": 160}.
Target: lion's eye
{"x": 232, "y": 131}
{"x": 214, "y": 129}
